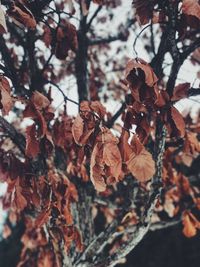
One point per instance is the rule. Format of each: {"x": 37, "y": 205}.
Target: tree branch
{"x": 93, "y": 17}
{"x": 109, "y": 39}
{"x": 110, "y": 123}
{"x": 16, "y": 137}
{"x": 121, "y": 35}
{"x": 94, "y": 252}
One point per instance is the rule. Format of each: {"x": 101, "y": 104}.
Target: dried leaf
{"x": 22, "y": 15}
{"x": 19, "y": 199}
{"x": 80, "y": 133}
{"x": 141, "y": 165}
{"x": 97, "y": 168}
{"x": 180, "y": 91}
{"x": 140, "y": 162}
{"x": 42, "y": 218}
{"x": 98, "y": 108}
{"x": 193, "y": 142}
{"x": 32, "y": 142}
{"x": 178, "y": 121}
{"x": 144, "y": 10}
{"x": 124, "y": 147}
{"x": 39, "y": 100}
{"x": 136, "y": 145}
{"x": 36, "y": 114}
{"x": 191, "y": 7}
{"x": 46, "y": 260}
{"x": 113, "y": 160}
{"x": 189, "y": 229}
{"x": 66, "y": 40}
{"x": 150, "y": 76}
{"x": 77, "y": 129}
{"x": 106, "y": 161}
{"x": 162, "y": 98}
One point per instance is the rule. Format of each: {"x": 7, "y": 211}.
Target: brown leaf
{"x": 19, "y": 199}
{"x": 3, "y": 27}
{"x": 80, "y": 133}
{"x": 113, "y": 160}
{"x": 32, "y": 142}
{"x": 180, "y": 91}
{"x": 144, "y": 10}
{"x": 142, "y": 81}
{"x": 124, "y": 147}
{"x": 6, "y": 102}
{"x": 39, "y": 100}
{"x": 189, "y": 229}
{"x": 66, "y": 40}
{"x": 150, "y": 76}
{"x": 46, "y": 260}
{"x": 42, "y": 218}
{"x": 143, "y": 129}
{"x": 67, "y": 213}
{"x": 178, "y": 121}
{"x": 62, "y": 138}
{"x": 97, "y": 107}
{"x": 34, "y": 113}
{"x": 85, "y": 106}
{"x": 193, "y": 142}
{"x": 22, "y": 16}
{"x": 47, "y": 36}
{"x": 106, "y": 136}
{"x": 141, "y": 165}
{"x": 191, "y": 7}
{"x": 106, "y": 161}
{"x": 162, "y": 98}
{"x": 136, "y": 145}
{"x": 97, "y": 168}
{"x": 77, "y": 129}
{"x": 140, "y": 162}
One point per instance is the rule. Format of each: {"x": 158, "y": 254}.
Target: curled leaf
{"x": 180, "y": 91}
{"x": 133, "y": 66}
{"x": 79, "y": 132}
{"x": 22, "y": 15}
{"x": 106, "y": 161}
{"x": 97, "y": 168}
